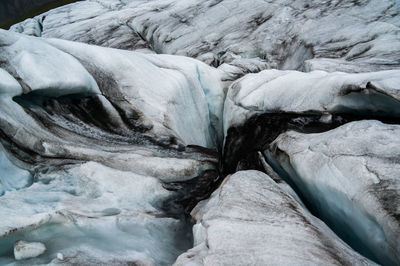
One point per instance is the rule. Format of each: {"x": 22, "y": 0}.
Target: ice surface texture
{"x": 104, "y": 152}
{"x": 351, "y": 176}
{"x": 317, "y": 92}
{"x": 95, "y": 135}
{"x": 250, "y": 220}
{"x": 350, "y": 36}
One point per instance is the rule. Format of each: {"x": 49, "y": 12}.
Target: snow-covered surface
{"x": 351, "y": 175}
{"x": 256, "y": 33}
{"x": 26, "y": 250}
{"x": 277, "y": 91}
{"x": 250, "y": 220}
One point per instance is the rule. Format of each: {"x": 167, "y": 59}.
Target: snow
{"x": 350, "y": 175}
{"x": 250, "y": 220}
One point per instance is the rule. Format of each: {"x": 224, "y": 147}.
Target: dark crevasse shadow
{"x": 242, "y": 150}
{"x": 242, "y": 143}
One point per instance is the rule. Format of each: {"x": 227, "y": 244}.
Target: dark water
{"x": 13, "y": 11}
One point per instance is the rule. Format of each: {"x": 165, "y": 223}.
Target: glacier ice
{"x": 141, "y": 80}
{"x": 43, "y": 67}
{"x": 274, "y": 91}
{"x": 8, "y": 85}
{"x": 126, "y": 79}
{"x": 258, "y": 107}
{"x": 356, "y": 36}
{"x": 104, "y": 152}
{"x": 352, "y": 182}
{"x": 11, "y": 176}
{"x": 92, "y": 214}
{"x": 250, "y": 220}
{"x": 104, "y": 165}
{"x": 26, "y": 250}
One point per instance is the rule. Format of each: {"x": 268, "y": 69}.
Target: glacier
{"x": 93, "y": 214}
{"x": 352, "y": 182}
{"x": 247, "y": 35}
{"x": 258, "y": 107}
{"x": 127, "y": 172}
{"x": 215, "y": 132}
{"x": 249, "y": 209}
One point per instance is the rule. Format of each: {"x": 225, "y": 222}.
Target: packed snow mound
{"x": 250, "y": 220}
{"x": 249, "y": 35}
{"x": 317, "y": 92}
{"x": 351, "y": 177}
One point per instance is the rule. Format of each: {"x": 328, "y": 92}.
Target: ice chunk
{"x": 25, "y": 250}
{"x": 60, "y": 256}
